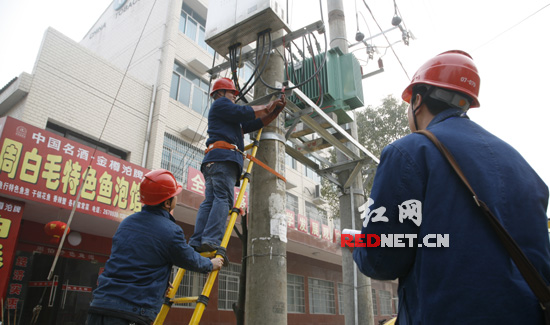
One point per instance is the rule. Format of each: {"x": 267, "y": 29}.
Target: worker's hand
{"x": 281, "y": 102}
{"x": 170, "y": 287}
{"x": 217, "y": 263}
{"x": 271, "y": 106}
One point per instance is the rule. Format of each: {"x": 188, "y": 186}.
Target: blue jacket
{"x": 145, "y": 246}
{"x": 473, "y": 281}
{"x": 229, "y": 122}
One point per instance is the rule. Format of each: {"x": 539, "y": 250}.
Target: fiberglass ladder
{"x": 202, "y": 300}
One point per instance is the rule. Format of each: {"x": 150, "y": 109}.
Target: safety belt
{"x": 229, "y": 146}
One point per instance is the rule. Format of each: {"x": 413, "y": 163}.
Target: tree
{"x": 376, "y": 127}
{"x": 380, "y": 126}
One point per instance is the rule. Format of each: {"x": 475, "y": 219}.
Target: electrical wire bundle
{"x": 264, "y": 49}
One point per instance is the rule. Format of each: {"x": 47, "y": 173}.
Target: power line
{"x": 492, "y": 39}
{"x": 387, "y": 40}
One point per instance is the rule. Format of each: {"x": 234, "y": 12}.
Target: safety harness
{"x": 229, "y": 146}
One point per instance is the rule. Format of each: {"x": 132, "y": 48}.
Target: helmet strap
{"x": 451, "y": 98}
{"x": 426, "y": 94}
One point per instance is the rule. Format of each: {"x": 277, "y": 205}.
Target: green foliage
{"x": 329, "y": 191}
{"x": 376, "y": 127}
{"x": 379, "y": 126}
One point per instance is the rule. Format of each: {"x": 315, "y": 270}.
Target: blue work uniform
{"x": 145, "y": 246}
{"x": 473, "y": 280}
{"x": 222, "y": 168}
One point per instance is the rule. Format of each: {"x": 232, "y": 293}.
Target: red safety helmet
{"x": 224, "y": 84}
{"x": 454, "y": 70}
{"x": 158, "y": 186}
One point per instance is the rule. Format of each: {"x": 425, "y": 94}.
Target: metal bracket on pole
{"x": 370, "y": 74}
{"x": 354, "y": 173}
{"x": 373, "y": 36}
{"x": 273, "y": 136}
{"x": 248, "y": 56}
{"x": 325, "y": 134}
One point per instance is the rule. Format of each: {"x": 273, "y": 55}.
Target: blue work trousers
{"x": 97, "y": 319}
{"x": 220, "y": 178}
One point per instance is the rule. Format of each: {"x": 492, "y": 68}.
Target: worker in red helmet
{"x": 146, "y": 245}
{"x": 434, "y": 238}
{"x": 221, "y": 166}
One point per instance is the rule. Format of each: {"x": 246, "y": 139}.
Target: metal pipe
{"x": 149, "y": 125}
{"x": 352, "y": 193}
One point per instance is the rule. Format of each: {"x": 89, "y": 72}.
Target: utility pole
{"x": 357, "y": 287}
{"x": 266, "y": 292}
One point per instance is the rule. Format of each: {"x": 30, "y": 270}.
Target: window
{"x": 292, "y": 205}
{"x": 374, "y": 304}
{"x": 191, "y": 285}
{"x": 192, "y": 24}
{"x": 336, "y": 223}
{"x": 295, "y": 294}
{"x": 178, "y": 156}
{"x": 385, "y": 303}
{"x": 69, "y": 134}
{"x": 321, "y": 296}
{"x": 341, "y": 298}
{"x": 228, "y": 286}
{"x": 290, "y": 162}
{"x": 312, "y": 212}
{"x": 310, "y": 173}
{"x": 189, "y": 89}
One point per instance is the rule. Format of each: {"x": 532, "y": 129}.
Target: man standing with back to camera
{"x": 474, "y": 280}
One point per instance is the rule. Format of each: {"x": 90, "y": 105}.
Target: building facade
{"x": 132, "y": 96}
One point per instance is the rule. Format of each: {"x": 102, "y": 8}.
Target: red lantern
{"x": 56, "y": 230}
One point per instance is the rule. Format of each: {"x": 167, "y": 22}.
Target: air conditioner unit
{"x": 290, "y": 184}
{"x": 317, "y": 199}
{"x": 192, "y": 134}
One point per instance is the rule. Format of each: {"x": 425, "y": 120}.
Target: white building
{"x": 136, "y": 88}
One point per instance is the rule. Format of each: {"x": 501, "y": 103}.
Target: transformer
{"x": 340, "y": 80}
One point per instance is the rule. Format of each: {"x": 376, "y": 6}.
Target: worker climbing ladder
{"x": 202, "y": 300}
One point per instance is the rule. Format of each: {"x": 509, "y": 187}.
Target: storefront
{"x": 40, "y": 176}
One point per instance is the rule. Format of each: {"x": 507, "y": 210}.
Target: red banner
{"x": 337, "y": 235}
{"x": 76, "y": 288}
{"x": 302, "y": 224}
{"x": 42, "y": 284}
{"x": 197, "y": 184}
{"x": 315, "y": 228}
{"x": 326, "y": 232}
{"x": 11, "y": 213}
{"x": 291, "y": 219}
{"x": 64, "y": 253}
{"x": 42, "y": 166}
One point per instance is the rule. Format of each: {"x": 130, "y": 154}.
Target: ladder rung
{"x": 202, "y": 300}
{"x": 209, "y": 254}
{"x": 185, "y": 300}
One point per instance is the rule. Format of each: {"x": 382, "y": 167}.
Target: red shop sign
{"x": 41, "y": 166}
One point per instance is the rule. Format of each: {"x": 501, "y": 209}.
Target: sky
{"x": 507, "y": 40}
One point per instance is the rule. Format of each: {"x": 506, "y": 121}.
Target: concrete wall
{"x": 131, "y": 37}
{"x": 77, "y": 89}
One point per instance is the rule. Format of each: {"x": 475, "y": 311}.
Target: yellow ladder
{"x": 202, "y": 300}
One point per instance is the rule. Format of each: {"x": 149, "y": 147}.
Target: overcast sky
{"x": 507, "y": 39}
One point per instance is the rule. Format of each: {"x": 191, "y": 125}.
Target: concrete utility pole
{"x": 357, "y": 287}
{"x": 266, "y": 293}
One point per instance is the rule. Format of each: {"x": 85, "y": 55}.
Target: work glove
{"x": 277, "y": 107}
{"x": 263, "y": 110}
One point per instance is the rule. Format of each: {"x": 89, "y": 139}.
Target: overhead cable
{"x": 387, "y": 40}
